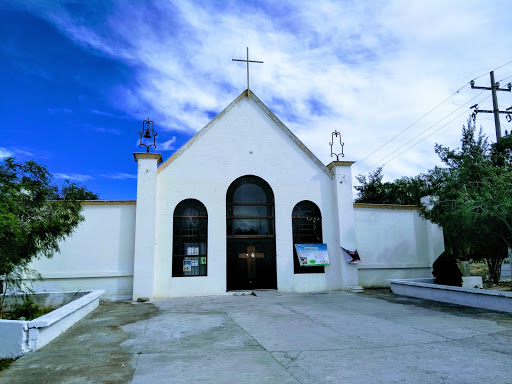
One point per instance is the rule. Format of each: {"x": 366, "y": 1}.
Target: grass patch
{"x": 5, "y": 363}
{"x": 479, "y": 268}
{"x": 27, "y": 310}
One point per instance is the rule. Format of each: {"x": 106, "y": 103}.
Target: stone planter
{"x": 471, "y": 297}
{"x": 19, "y": 336}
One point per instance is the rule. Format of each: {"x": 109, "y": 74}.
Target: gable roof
{"x": 268, "y": 112}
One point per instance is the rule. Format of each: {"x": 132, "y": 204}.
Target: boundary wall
{"x": 394, "y": 242}
{"x": 97, "y": 256}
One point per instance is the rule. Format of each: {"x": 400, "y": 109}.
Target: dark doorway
{"x": 251, "y": 242}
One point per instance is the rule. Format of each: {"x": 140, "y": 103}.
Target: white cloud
{"x": 119, "y": 176}
{"x": 366, "y": 69}
{"x": 107, "y": 114}
{"x": 167, "y": 145}
{"x": 4, "y": 152}
{"x": 72, "y": 176}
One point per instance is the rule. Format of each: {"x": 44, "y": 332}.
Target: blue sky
{"x": 78, "y": 78}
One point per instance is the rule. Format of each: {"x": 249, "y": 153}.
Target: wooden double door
{"x": 250, "y": 235}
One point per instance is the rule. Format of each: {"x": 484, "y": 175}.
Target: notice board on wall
{"x": 311, "y": 255}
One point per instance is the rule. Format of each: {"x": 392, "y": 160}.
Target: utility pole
{"x": 496, "y": 109}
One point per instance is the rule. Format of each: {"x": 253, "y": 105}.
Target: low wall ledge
{"x": 478, "y": 291}
{"x": 389, "y": 206}
{"x": 59, "y": 313}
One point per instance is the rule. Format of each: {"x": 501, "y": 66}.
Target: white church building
{"x": 224, "y": 213}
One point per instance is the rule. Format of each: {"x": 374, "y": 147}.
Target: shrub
{"x": 445, "y": 270}
{"x": 28, "y": 310}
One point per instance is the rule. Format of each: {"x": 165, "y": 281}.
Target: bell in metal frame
{"x": 148, "y": 132}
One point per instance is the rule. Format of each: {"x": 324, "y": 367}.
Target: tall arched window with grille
{"x": 307, "y": 229}
{"x": 190, "y": 239}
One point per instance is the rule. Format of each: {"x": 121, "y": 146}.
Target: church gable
{"x": 251, "y": 120}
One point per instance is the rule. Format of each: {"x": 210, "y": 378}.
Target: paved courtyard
{"x": 333, "y": 337}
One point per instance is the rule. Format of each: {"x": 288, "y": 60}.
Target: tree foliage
{"x": 403, "y": 191}
{"x": 473, "y": 199}
{"x": 34, "y": 216}
{"x": 474, "y": 203}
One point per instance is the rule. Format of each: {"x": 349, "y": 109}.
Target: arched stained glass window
{"x": 190, "y": 239}
{"x": 307, "y": 229}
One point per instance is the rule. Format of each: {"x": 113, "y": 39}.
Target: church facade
{"x": 224, "y": 214}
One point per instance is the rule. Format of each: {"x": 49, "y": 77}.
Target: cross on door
{"x": 251, "y": 257}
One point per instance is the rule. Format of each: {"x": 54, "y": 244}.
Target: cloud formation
{"x": 167, "y": 145}
{"x": 4, "y": 152}
{"x": 366, "y": 69}
{"x": 8, "y": 152}
{"x": 73, "y": 176}
{"x": 119, "y": 176}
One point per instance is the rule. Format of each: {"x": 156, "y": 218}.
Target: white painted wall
{"x": 99, "y": 254}
{"x": 342, "y": 183}
{"x": 394, "y": 243}
{"x": 145, "y": 221}
{"x": 244, "y": 141}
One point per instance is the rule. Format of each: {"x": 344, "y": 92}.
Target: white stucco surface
{"x": 99, "y": 254}
{"x": 14, "y": 338}
{"x": 244, "y": 141}
{"x": 342, "y": 189}
{"x": 394, "y": 243}
{"x": 126, "y": 249}
{"x": 145, "y": 221}
{"x": 20, "y": 336}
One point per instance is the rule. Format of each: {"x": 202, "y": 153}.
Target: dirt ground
{"x": 480, "y": 269}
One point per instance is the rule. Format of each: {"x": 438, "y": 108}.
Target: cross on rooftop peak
{"x": 248, "y": 61}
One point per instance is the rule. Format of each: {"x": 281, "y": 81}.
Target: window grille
{"x": 190, "y": 239}
{"x": 307, "y": 229}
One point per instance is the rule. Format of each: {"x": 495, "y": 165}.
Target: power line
{"x": 421, "y": 133}
{"x": 426, "y": 114}
{"x": 495, "y": 106}
{"x": 437, "y": 130}
{"x": 505, "y": 78}
{"x": 410, "y": 126}
{"x": 501, "y": 66}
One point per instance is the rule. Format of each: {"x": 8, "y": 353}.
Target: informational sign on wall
{"x": 192, "y": 251}
{"x": 311, "y": 255}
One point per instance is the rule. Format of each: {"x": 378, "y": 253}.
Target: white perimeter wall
{"x": 244, "y": 141}
{"x": 98, "y": 255}
{"x": 394, "y": 242}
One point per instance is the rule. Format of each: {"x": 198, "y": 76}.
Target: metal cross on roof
{"x": 248, "y": 61}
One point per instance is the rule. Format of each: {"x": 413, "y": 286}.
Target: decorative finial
{"x": 336, "y": 134}
{"x": 148, "y": 132}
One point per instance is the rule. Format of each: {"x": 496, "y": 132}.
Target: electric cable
{"x": 410, "y": 126}
{"x": 421, "y": 133}
{"x": 358, "y": 164}
{"x": 437, "y": 130}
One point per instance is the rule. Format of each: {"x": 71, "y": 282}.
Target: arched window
{"x": 190, "y": 239}
{"x": 250, "y": 208}
{"x": 307, "y": 229}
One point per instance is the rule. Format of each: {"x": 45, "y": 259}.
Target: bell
{"x": 147, "y": 135}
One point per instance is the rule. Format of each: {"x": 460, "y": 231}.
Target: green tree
{"x": 404, "y": 191}
{"x": 473, "y": 205}
{"x": 34, "y": 216}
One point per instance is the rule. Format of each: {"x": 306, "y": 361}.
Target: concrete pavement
{"x": 272, "y": 337}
